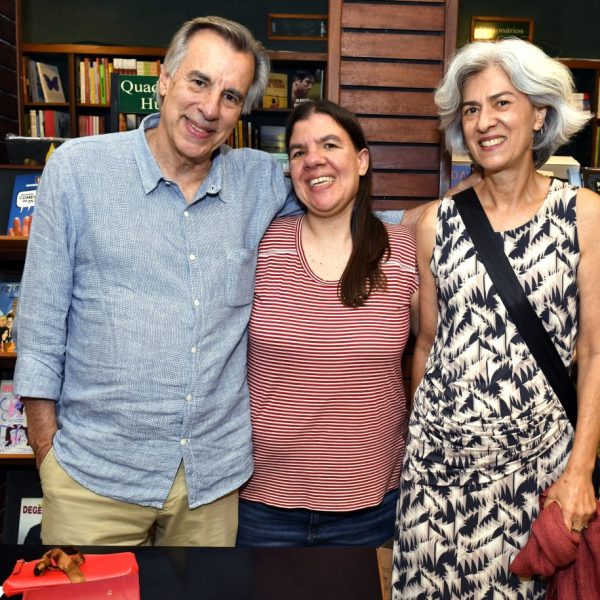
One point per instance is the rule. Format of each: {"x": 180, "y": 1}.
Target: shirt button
{"x": 189, "y": 398}
{"x": 183, "y": 442}
{"x": 196, "y": 302}
{"x": 192, "y": 257}
{"x": 194, "y": 349}
{"x": 186, "y": 213}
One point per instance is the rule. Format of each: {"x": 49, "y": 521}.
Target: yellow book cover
{"x": 276, "y": 94}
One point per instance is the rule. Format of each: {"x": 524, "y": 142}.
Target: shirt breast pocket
{"x": 241, "y": 273}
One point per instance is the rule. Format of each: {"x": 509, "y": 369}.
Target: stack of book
{"x": 94, "y": 75}
{"x": 45, "y": 122}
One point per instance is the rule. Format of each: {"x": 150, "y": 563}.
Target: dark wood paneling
{"x": 410, "y": 185}
{"x": 7, "y": 8}
{"x": 8, "y": 106}
{"x": 405, "y": 44}
{"x": 404, "y": 157}
{"x": 391, "y": 204}
{"x": 7, "y": 31}
{"x": 386, "y": 74}
{"x": 8, "y": 56}
{"x": 392, "y": 45}
{"x": 8, "y": 126}
{"x": 374, "y": 102}
{"x": 8, "y": 80}
{"x": 389, "y": 16}
{"x": 333, "y": 50}
{"x": 414, "y": 131}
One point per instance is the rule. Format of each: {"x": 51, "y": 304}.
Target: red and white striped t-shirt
{"x": 328, "y": 404}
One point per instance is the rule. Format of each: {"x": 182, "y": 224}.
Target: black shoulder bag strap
{"x": 490, "y": 250}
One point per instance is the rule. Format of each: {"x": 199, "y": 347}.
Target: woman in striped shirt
{"x": 333, "y": 296}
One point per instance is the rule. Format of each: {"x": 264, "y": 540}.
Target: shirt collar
{"x": 152, "y": 175}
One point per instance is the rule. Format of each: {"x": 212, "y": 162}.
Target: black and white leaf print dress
{"x": 487, "y": 434}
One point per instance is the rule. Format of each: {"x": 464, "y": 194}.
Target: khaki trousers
{"x": 74, "y": 515}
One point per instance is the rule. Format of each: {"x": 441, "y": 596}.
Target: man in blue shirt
{"x": 141, "y": 426}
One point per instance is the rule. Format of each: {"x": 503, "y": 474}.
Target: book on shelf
{"x": 47, "y": 123}
{"x": 590, "y": 178}
{"x": 34, "y": 86}
{"x": 306, "y": 84}
{"x": 9, "y": 299}
{"x": 22, "y": 205}
{"x": 244, "y": 135}
{"x": 283, "y": 159}
{"x": 13, "y": 421}
{"x": 95, "y": 76}
{"x": 276, "y": 93}
{"x": 92, "y": 124}
{"x": 30, "y": 519}
{"x": 272, "y": 138}
{"x": 581, "y": 101}
{"x": 51, "y": 84}
{"x": 93, "y": 82}
{"x": 129, "y": 121}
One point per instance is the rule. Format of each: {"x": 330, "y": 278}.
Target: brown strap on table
{"x": 58, "y": 559}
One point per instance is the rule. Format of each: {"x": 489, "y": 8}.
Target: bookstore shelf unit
{"x": 67, "y": 58}
{"x": 586, "y": 72}
{"x": 12, "y": 257}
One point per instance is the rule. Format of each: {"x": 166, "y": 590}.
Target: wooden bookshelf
{"x": 68, "y": 56}
{"x": 12, "y": 249}
{"x": 588, "y": 69}
{"x": 12, "y": 257}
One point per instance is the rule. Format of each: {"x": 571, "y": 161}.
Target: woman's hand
{"x": 574, "y": 493}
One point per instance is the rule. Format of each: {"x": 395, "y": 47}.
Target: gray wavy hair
{"x": 238, "y": 36}
{"x": 545, "y": 81}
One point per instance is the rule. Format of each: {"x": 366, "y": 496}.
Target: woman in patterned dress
{"x": 488, "y": 434}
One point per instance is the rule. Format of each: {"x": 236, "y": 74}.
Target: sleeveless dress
{"x": 487, "y": 434}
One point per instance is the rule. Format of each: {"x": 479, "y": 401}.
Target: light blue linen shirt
{"x": 133, "y": 314}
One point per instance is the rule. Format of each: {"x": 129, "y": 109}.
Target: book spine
{"x": 81, "y": 73}
{"x": 49, "y": 123}
{"x": 32, "y": 123}
{"x": 86, "y": 83}
{"x": 25, "y": 78}
{"x": 101, "y": 82}
{"x": 108, "y": 83}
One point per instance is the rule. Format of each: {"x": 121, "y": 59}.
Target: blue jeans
{"x": 264, "y": 525}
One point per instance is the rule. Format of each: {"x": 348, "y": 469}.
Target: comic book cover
{"x": 23, "y": 197}
{"x": 13, "y": 421}
{"x": 9, "y": 299}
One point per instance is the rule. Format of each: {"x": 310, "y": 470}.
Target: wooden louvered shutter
{"x": 384, "y": 61}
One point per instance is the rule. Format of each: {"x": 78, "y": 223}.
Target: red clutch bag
{"x": 58, "y": 575}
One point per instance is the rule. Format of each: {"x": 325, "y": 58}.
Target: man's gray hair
{"x": 238, "y": 36}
